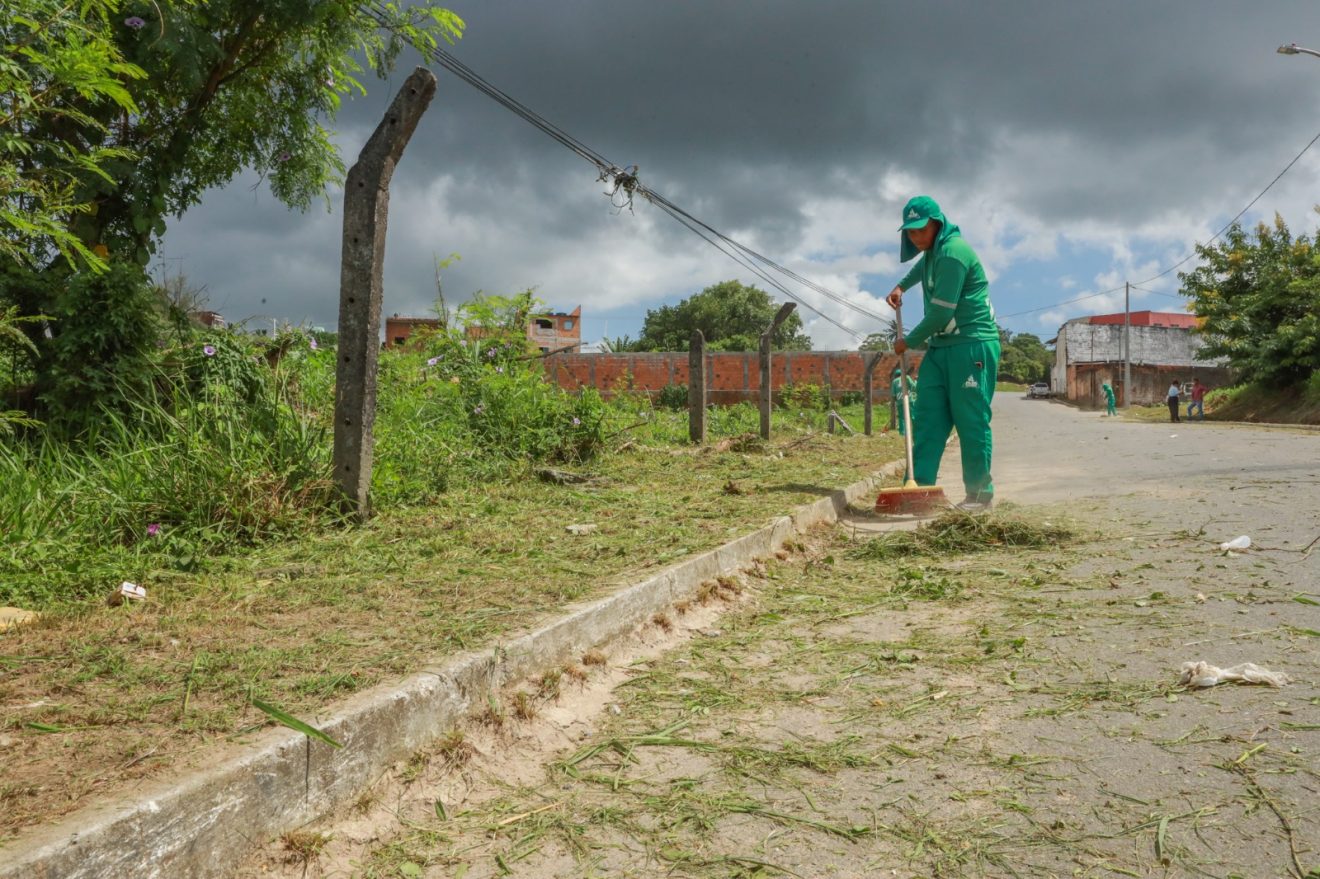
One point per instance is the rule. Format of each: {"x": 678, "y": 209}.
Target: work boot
{"x": 975, "y": 505}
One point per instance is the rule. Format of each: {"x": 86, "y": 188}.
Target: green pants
{"x": 898, "y": 414}
{"x": 957, "y": 385}
{"x": 1109, "y": 407}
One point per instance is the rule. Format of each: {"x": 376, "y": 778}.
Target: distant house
{"x": 555, "y": 331}
{"x": 1089, "y": 352}
{"x": 398, "y": 330}
{"x": 213, "y": 320}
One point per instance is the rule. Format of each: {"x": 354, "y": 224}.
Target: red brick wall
{"x": 732, "y": 377}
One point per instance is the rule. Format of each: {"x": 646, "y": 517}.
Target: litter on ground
{"x": 1203, "y": 674}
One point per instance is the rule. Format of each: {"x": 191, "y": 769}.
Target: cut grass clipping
{"x": 955, "y": 533}
{"x": 293, "y": 723}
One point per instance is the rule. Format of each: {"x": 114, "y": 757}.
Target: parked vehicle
{"x": 1039, "y": 389}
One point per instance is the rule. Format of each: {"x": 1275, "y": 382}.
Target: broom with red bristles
{"x": 910, "y": 498}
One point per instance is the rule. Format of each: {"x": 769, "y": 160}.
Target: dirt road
{"x": 1010, "y": 712}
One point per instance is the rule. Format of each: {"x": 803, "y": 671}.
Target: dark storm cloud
{"x": 774, "y": 120}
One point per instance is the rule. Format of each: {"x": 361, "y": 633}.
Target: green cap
{"x": 918, "y": 212}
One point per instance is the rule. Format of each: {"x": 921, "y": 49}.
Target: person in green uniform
{"x": 896, "y": 398}
{"x": 962, "y": 361}
{"x": 1109, "y": 399}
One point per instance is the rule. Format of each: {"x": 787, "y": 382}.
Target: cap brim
{"x": 919, "y": 223}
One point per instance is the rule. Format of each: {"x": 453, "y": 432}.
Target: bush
{"x": 229, "y": 443}
{"x": 852, "y": 398}
{"x": 674, "y": 397}
{"x": 103, "y": 352}
{"x": 805, "y": 398}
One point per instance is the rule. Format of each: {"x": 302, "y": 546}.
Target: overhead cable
{"x": 621, "y": 177}
{"x": 1185, "y": 259}
{"x": 1238, "y": 216}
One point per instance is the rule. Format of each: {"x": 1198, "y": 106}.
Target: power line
{"x": 1238, "y": 216}
{"x": 1157, "y": 292}
{"x": 1185, "y": 259}
{"x": 1064, "y": 302}
{"x": 627, "y": 180}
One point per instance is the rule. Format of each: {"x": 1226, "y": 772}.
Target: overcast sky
{"x": 1077, "y": 145}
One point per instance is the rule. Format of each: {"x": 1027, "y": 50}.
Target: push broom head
{"x": 911, "y": 499}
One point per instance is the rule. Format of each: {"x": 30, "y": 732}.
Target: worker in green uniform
{"x": 896, "y": 397}
{"x": 1109, "y": 399}
{"x": 961, "y": 364}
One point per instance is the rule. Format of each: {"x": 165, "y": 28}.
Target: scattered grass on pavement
{"x": 835, "y": 725}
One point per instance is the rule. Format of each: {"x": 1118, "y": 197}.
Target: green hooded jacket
{"x": 953, "y": 285}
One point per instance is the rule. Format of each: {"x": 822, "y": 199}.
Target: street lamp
{"x": 1294, "y": 49}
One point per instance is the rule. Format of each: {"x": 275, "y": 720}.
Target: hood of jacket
{"x": 907, "y": 250}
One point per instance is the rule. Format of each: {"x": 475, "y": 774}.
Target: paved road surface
{"x": 1264, "y": 480}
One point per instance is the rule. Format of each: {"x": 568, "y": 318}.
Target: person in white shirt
{"x": 1174, "y": 391}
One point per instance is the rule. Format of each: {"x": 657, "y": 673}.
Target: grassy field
{"x": 304, "y": 620}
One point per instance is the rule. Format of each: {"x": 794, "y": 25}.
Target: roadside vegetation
{"x": 207, "y": 481}
{"x": 1257, "y": 294}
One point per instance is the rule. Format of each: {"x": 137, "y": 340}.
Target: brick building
{"x": 398, "y": 330}
{"x": 548, "y": 332}
{"x": 1089, "y": 352}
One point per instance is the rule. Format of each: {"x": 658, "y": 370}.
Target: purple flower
{"x": 576, "y": 421}
{"x": 284, "y": 156}
{"x": 135, "y": 22}
{"x": 153, "y": 529}
{"x": 490, "y": 352}
{"x": 481, "y": 407}
{"x": 312, "y": 343}
{"x": 208, "y": 350}
{"x": 433, "y": 361}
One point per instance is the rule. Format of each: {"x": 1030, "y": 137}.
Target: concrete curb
{"x": 205, "y": 824}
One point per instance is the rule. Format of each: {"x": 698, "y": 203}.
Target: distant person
{"x": 1198, "y": 401}
{"x": 1109, "y": 399}
{"x": 1174, "y": 391}
{"x": 959, "y": 370}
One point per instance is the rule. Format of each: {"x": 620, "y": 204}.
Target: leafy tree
{"x": 883, "y": 340}
{"x": 732, "y": 317}
{"x": 620, "y": 344}
{"x": 64, "y": 80}
{"x": 1023, "y": 358}
{"x": 126, "y": 111}
{"x": 1259, "y": 298}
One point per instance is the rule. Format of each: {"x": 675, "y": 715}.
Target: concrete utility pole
{"x": 697, "y": 388}
{"x": 767, "y": 397}
{"x": 366, "y": 210}
{"x": 1127, "y": 345}
{"x": 868, "y": 388}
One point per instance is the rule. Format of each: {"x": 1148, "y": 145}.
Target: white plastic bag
{"x": 1203, "y": 674}
{"x": 1243, "y": 542}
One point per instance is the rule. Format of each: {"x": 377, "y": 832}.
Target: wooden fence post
{"x": 366, "y": 210}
